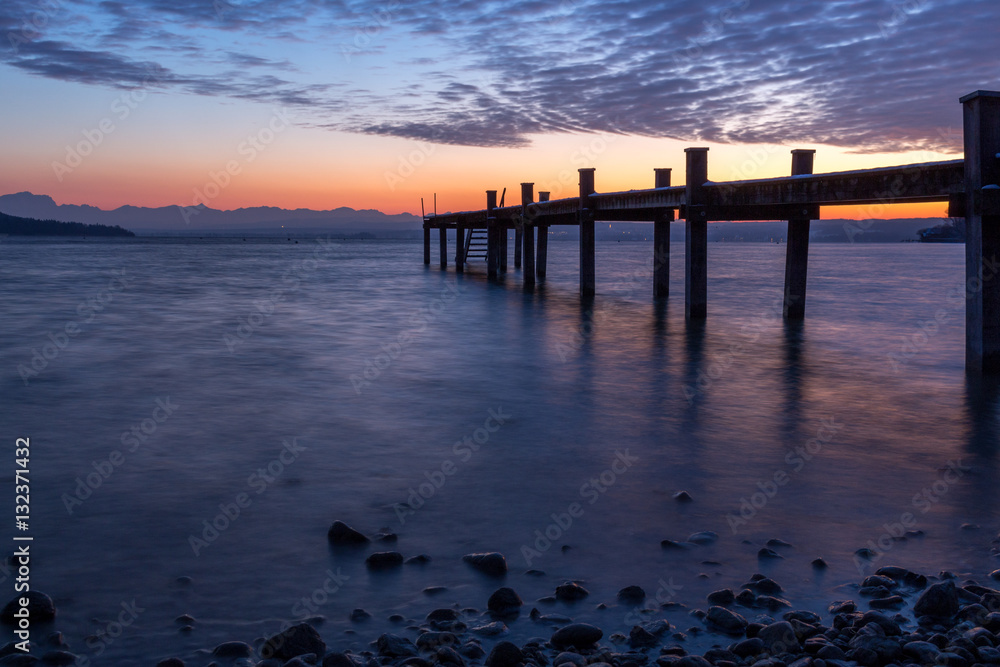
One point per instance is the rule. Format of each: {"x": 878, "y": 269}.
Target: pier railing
{"x": 970, "y": 186}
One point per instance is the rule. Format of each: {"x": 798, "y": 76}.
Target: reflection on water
{"x": 384, "y": 370}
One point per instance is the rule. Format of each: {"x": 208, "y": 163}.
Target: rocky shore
{"x": 898, "y": 618}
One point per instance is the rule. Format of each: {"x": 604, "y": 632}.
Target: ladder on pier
{"x": 475, "y": 245}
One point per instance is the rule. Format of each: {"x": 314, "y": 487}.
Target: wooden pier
{"x": 971, "y": 187}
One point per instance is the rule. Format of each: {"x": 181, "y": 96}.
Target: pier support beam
{"x": 492, "y": 242}
{"x": 696, "y": 235}
{"x": 518, "y": 233}
{"x": 797, "y": 248}
{"x": 588, "y": 277}
{"x": 661, "y": 241}
{"x": 443, "y": 235}
{"x": 427, "y": 244}
{"x": 527, "y": 236}
{"x": 982, "y": 224}
{"x": 542, "y": 249}
{"x": 459, "y": 249}
{"x": 503, "y": 242}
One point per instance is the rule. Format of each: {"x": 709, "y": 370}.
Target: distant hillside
{"x": 194, "y": 219}
{"x": 16, "y": 226}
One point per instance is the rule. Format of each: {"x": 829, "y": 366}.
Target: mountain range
{"x": 193, "y": 219}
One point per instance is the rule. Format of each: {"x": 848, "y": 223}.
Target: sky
{"x": 375, "y": 105}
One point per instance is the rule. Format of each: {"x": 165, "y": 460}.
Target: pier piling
{"x": 542, "y": 247}
{"x": 427, "y": 244}
{"x": 696, "y": 235}
{"x": 527, "y": 236}
{"x": 797, "y": 248}
{"x": 588, "y": 278}
{"x": 982, "y": 223}
{"x": 492, "y": 242}
{"x": 443, "y": 236}
{"x": 661, "y": 240}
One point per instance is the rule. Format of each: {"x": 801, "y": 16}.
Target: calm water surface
{"x": 373, "y": 373}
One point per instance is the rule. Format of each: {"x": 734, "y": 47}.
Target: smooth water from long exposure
{"x": 313, "y": 382}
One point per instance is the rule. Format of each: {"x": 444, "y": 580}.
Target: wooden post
{"x": 492, "y": 242}
{"x": 542, "y": 249}
{"x": 982, "y": 224}
{"x": 427, "y": 244}
{"x": 797, "y": 248}
{"x": 443, "y": 232}
{"x": 587, "y": 273}
{"x": 518, "y": 233}
{"x": 696, "y": 235}
{"x": 459, "y": 249}
{"x": 504, "y": 242}
{"x": 661, "y": 241}
{"x": 527, "y": 236}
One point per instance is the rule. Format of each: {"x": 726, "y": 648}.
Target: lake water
{"x": 311, "y": 382}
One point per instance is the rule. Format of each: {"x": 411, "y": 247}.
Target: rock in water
{"x": 571, "y": 592}
{"x": 779, "y": 638}
{"x": 382, "y": 560}
{"x": 394, "y": 646}
{"x": 170, "y": 662}
{"x": 723, "y": 597}
{"x": 938, "y": 601}
{"x": 766, "y": 553}
{"x": 995, "y": 574}
{"x": 232, "y": 650}
{"x": 728, "y": 621}
{"x": 577, "y": 635}
{"x": 505, "y": 654}
{"x": 504, "y": 601}
{"x": 683, "y": 497}
{"x": 337, "y": 660}
{"x": 493, "y": 564}
{"x": 632, "y": 594}
{"x": 293, "y": 642}
{"x": 340, "y": 534}
{"x": 40, "y": 608}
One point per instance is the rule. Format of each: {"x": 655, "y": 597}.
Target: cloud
{"x": 871, "y": 75}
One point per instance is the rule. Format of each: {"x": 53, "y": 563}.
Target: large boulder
{"x": 493, "y": 563}
{"x": 938, "y": 601}
{"x": 577, "y": 635}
